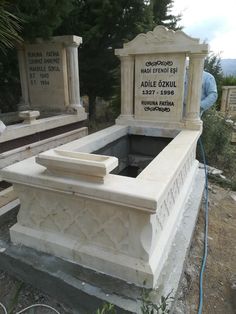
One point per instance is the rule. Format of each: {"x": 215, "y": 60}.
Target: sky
{"x": 212, "y": 21}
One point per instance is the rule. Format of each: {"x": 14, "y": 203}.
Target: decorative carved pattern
{"x": 174, "y": 191}
{"x": 161, "y": 35}
{"x": 90, "y": 222}
{"x": 85, "y": 220}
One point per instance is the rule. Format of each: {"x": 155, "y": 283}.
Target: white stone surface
{"x": 9, "y": 207}
{"x": 123, "y": 227}
{"x": 29, "y": 116}
{"x": 2, "y": 127}
{"x": 20, "y": 130}
{"x": 90, "y": 166}
{"x": 26, "y": 151}
{"x": 159, "y": 87}
{"x": 47, "y": 76}
{"x": 97, "y": 140}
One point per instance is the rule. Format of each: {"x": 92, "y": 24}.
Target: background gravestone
{"x": 228, "y": 100}
{"x": 49, "y": 74}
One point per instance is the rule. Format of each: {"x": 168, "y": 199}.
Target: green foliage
{"x": 107, "y": 308}
{"x": 148, "y": 307}
{"x": 213, "y": 65}
{"x": 161, "y": 15}
{"x": 10, "y": 90}
{"x": 9, "y": 28}
{"x": 41, "y": 17}
{"x": 15, "y": 298}
{"x": 104, "y": 26}
{"x": 229, "y": 80}
{"x": 216, "y": 140}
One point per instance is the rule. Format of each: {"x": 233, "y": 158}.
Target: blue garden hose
{"x": 200, "y": 304}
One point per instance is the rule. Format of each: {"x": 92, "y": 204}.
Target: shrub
{"x": 216, "y": 137}
{"x": 229, "y": 81}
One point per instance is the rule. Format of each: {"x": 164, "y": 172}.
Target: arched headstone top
{"x": 162, "y": 40}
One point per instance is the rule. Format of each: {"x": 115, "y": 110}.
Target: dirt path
{"x": 219, "y": 297}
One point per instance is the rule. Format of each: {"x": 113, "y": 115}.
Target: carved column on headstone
{"x": 127, "y": 86}
{"x": 196, "y": 64}
{"x": 73, "y": 77}
{"x": 24, "y": 103}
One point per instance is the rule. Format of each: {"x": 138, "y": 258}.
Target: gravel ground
{"x": 15, "y": 295}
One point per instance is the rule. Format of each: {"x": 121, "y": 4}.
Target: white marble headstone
{"x": 159, "y": 86}
{"x": 152, "y": 79}
{"x": 47, "y": 75}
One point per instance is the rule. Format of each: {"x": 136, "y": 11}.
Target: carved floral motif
{"x": 85, "y": 220}
{"x": 161, "y": 35}
{"x": 174, "y": 191}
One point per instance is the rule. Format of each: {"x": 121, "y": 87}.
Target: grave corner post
{"x": 196, "y": 65}
{"x": 73, "y": 77}
{"x": 24, "y": 103}
{"x": 127, "y": 87}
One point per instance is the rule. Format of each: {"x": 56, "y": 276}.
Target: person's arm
{"x": 210, "y": 92}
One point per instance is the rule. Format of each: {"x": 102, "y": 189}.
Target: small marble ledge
{"x": 29, "y": 116}
{"x": 90, "y": 167}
